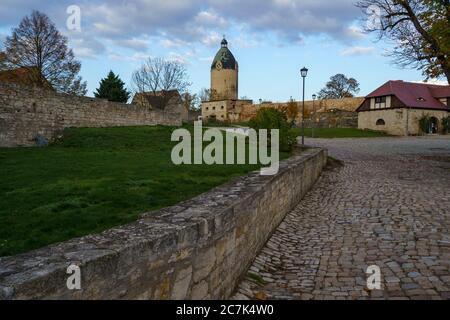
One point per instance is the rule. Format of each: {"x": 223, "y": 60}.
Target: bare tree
{"x": 191, "y": 101}
{"x": 207, "y": 94}
{"x": 419, "y": 29}
{"x": 339, "y": 87}
{"x": 160, "y": 76}
{"x": 36, "y": 44}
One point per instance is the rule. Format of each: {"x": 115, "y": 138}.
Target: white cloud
{"x": 173, "y": 56}
{"x": 137, "y": 44}
{"x": 136, "y": 57}
{"x": 172, "y": 43}
{"x": 208, "y": 18}
{"x": 86, "y": 47}
{"x": 177, "y": 23}
{"x": 355, "y": 32}
{"x": 211, "y": 39}
{"x": 358, "y": 51}
{"x": 206, "y": 59}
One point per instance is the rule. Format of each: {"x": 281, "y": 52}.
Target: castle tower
{"x": 224, "y": 74}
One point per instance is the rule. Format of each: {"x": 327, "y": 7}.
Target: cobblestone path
{"x": 389, "y": 205}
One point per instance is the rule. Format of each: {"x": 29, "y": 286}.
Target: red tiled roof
{"x": 415, "y": 95}
{"x": 24, "y": 76}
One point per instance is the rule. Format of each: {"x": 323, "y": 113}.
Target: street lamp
{"x": 314, "y": 114}
{"x": 304, "y": 73}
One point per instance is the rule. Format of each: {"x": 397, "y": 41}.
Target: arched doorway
{"x": 434, "y": 125}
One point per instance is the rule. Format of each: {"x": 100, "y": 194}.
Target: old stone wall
{"x": 193, "y": 115}
{"x": 26, "y": 112}
{"x": 319, "y": 106}
{"x": 398, "y": 121}
{"x": 224, "y": 83}
{"x": 333, "y": 119}
{"x": 199, "y": 249}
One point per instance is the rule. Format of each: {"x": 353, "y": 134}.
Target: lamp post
{"x": 304, "y": 73}
{"x": 314, "y": 114}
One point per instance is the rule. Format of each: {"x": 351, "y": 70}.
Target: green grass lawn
{"x": 340, "y": 133}
{"x": 93, "y": 180}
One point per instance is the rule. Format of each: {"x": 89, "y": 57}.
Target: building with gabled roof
{"x": 167, "y": 100}
{"x": 397, "y": 107}
{"x": 28, "y": 76}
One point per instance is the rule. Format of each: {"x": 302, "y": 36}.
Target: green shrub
{"x": 270, "y": 118}
{"x": 446, "y": 125}
{"x": 424, "y": 124}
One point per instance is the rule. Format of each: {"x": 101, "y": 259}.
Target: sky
{"x": 271, "y": 39}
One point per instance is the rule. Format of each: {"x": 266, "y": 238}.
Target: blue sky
{"x": 271, "y": 39}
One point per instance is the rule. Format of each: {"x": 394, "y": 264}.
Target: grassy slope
{"x": 94, "y": 180}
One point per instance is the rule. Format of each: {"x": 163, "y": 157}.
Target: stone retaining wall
{"x": 26, "y": 112}
{"x": 199, "y": 249}
{"x": 333, "y": 119}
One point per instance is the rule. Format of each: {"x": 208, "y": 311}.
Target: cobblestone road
{"x": 389, "y": 206}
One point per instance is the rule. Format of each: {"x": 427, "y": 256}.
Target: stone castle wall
{"x": 199, "y": 249}
{"x": 26, "y": 112}
{"x": 332, "y": 119}
{"x": 320, "y": 106}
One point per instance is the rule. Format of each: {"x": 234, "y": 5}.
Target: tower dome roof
{"x": 225, "y": 56}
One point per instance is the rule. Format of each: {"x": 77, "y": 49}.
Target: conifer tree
{"x": 112, "y": 89}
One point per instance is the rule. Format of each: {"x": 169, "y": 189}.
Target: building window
{"x": 222, "y": 107}
{"x": 207, "y": 108}
{"x": 380, "y": 122}
{"x": 380, "y": 102}
{"x": 214, "y": 108}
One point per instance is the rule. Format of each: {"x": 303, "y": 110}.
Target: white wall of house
{"x": 397, "y": 121}
{"x": 380, "y": 102}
